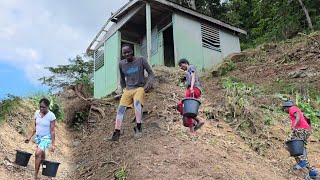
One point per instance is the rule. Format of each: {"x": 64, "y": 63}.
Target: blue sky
{"x": 39, "y": 33}
{"x": 13, "y": 81}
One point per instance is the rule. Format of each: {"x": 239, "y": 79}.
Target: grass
{"x": 120, "y": 174}
{"x": 7, "y": 104}
{"x": 55, "y": 105}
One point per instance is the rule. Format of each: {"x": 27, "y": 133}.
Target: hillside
{"x": 242, "y": 138}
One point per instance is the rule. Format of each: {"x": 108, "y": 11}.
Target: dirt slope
{"x": 220, "y": 151}
{"x": 10, "y": 140}
{"x": 165, "y": 151}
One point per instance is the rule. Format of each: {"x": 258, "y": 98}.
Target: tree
{"x": 306, "y": 14}
{"x": 192, "y": 4}
{"x": 79, "y": 71}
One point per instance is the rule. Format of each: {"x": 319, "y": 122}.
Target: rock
{"x": 76, "y": 143}
{"x": 304, "y": 68}
{"x": 228, "y": 129}
{"x": 220, "y": 126}
{"x": 313, "y": 139}
{"x": 268, "y": 47}
{"x": 215, "y": 73}
{"x": 297, "y": 74}
{"x": 236, "y": 57}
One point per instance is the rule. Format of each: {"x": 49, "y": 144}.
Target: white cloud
{"x": 27, "y": 53}
{"x": 7, "y": 32}
{"x": 40, "y": 33}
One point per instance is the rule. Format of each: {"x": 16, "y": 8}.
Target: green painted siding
{"x": 106, "y": 78}
{"x": 99, "y": 82}
{"x": 137, "y": 50}
{"x": 160, "y": 48}
{"x": 229, "y": 43}
{"x": 187, "y": 40}
{"x": 211, "y": 57}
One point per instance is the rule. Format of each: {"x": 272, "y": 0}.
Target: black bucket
{"x": 295, "y": 147}
{"x": 22, "y": 158}
{"x": 190, "y": 107}
{"x": 50, "y": 168}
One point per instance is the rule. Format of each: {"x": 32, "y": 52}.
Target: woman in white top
{"x": 45, "y": 132}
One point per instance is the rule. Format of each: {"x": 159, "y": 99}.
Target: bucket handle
{"x": 55, "y": 155}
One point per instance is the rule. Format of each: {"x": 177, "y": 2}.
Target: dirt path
{"x": 11, "y": 140}
{"x": 166, "y": 151}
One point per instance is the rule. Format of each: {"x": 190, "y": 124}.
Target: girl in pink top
{"x": 300, "y": 130}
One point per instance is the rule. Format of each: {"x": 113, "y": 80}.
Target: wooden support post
{"x": 148, "y": 20}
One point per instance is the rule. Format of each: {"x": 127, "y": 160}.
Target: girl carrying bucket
{"x": 45, "y": 132}
{"x": 301, "y": 129}
{"x": 193, "y": 90}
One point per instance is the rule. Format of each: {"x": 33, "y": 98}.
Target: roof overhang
{"x": 132, "y": 7}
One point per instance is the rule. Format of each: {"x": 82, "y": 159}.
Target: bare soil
{"x": 166, "y": 150}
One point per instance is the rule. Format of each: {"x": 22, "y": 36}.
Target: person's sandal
{"x": 300, "y": 165}
{"x": 198, "y": 126}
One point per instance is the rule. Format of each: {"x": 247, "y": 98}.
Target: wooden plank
{"x": 210, "y": 37}
{"x": 121, "y": 10}
{"x": 114, "y": 28}
{"x": 125, "y": 8}
{"x": 210, "y": 30}
{"x": 211, "y": 47}
{"x": 214, "y": 30}
{"x": 148, "y": 27}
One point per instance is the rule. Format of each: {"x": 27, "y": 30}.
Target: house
{"x": 163, "y": 32}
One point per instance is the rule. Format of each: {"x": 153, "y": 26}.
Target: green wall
{"x": 188, "y": 43}
{"x": 99, "y": 82}
{"x": 211, "y": 57}
{"x": 157, "y": 58}
{"x": 106, "y": 78}
{"x": 137, "y": 50}
{"x": 187, "y": 40}
{"x": 230, "y": 43}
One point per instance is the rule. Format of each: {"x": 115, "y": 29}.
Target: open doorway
{"x": 123, "y": 43}
{"x": 168, "y": 47}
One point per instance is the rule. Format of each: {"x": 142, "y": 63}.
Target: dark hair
{"x": 183, "y": 61}
{"x": 45, "y": 101}
{"x": 127, "y": 45}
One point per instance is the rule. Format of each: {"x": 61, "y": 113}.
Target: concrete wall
{"x": 211, "y": 57}
{"x": 99, "y": 82}
{"x": 187, "y": 40}
{"x": 230, "y": 43}
{"x": 188, "y": 43}
{"x": 106, "y": 78}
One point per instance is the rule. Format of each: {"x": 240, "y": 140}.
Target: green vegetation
{"x": 227, "y": 67}
{"x": 79, "y": 119}
{"x": 308, "y": 110}
{"x": 238, "y": 95}
{"x": 79, "y": 71}
{"x": 55, "y": 105}
{"x": 121, "y": 173}
{"x": 7, "y": 104}
{"x": 265, "y": 21}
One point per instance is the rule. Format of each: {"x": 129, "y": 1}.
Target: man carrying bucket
{"x": 193, "y": 91}
{"x": 300, "y": 130}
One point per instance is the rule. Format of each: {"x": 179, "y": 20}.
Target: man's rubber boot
{"x": 138, "y": 133}
{"x": 115, "y": 136}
